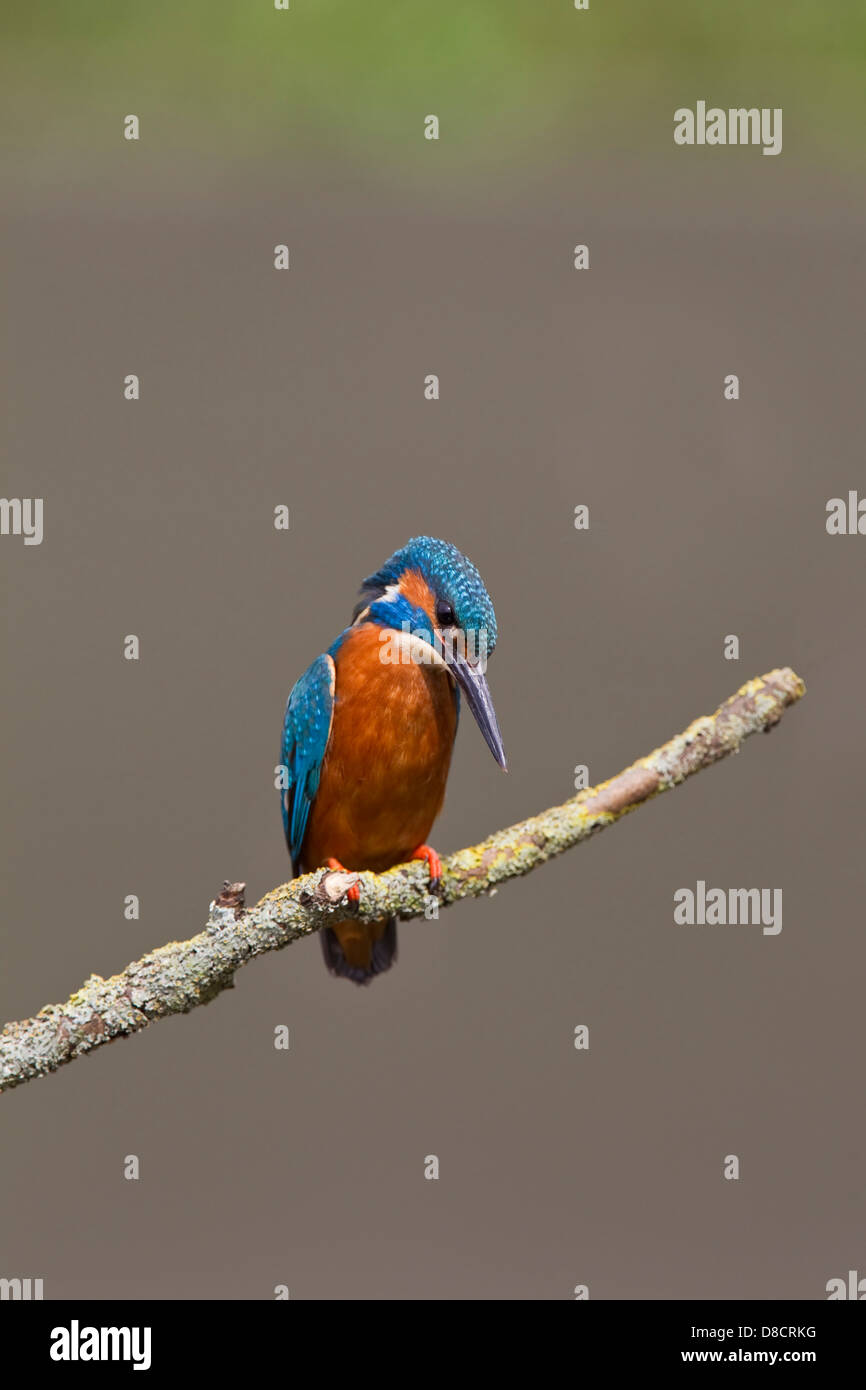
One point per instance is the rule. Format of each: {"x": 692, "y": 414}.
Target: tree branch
{"x": 177, "y": 977}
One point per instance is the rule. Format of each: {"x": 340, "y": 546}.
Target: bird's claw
{"x": 434, "y": 865}
{"x": 353, "y": 892}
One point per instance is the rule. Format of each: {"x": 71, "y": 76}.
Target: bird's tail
{"x": 359, "y": 951}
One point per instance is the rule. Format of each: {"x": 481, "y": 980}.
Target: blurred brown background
{"x": 558, "y": 387}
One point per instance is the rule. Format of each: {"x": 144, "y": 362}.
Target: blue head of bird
{"x": 433, "y": 600}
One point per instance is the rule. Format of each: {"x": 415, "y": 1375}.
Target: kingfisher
{"x": 369, "y": 730}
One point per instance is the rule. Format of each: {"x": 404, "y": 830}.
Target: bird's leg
{"x": 433, "y": 862}
{"x": 353, "y": 894}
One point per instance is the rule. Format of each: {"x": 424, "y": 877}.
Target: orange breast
{"x": 383, "y": 778}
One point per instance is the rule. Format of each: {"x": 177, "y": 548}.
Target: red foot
{"x": 353, "y": 894}
{"x": 433, "y": 862}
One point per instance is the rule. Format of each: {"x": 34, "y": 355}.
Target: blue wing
{"x": 306, "y": 730}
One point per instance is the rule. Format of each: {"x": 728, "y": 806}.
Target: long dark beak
{"x": 473, "y": 683}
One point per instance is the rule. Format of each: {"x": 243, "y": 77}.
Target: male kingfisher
{"x": 370, "y": 726}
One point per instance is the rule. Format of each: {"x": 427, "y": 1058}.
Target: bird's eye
{"x": 445, "y": 615}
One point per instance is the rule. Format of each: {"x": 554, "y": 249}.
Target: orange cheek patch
{"x": 416, "y": 589}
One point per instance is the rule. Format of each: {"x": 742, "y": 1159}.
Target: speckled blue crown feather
{"x": 452, "y": 578}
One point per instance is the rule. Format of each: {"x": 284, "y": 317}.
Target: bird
{"x": 369, "y": 730}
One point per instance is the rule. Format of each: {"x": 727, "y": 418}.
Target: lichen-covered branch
{"x": 177, "y": 977}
